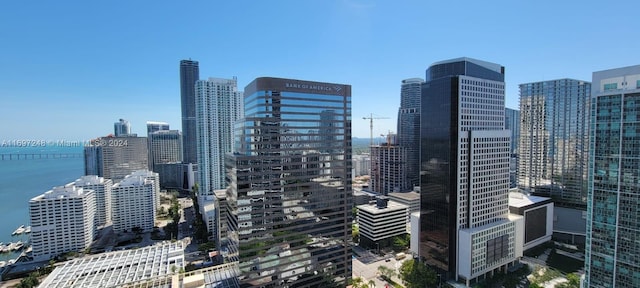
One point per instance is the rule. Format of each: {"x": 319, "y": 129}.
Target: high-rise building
{"x": 512, "y": 123}
{"x": 613, "y": 219}
{"x": 290, "y": 194}
{"x": 165, "y": 146}
{"x": 553, "y": 150}
{"x": 189, "y": 74}
{"x": 554, "y": 140}
{"x": 121, "y": 128}
{"x": 154, "y": 126}
{"x": 409, "y": 128}
{"x": 465, "y": 227}
{"x": 388, "y": 163}
{"x": 62, "y": 220}
{"x": 133, "y": 202}
{"x": 102, "y": 190}
{"x": 217, "y": 108}
{"x": 116, "y": 157}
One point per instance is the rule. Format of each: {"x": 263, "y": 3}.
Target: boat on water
{"x": 27, "y": 230}
{"x": 18, "y": 231}
{"x": 18, "y": 246}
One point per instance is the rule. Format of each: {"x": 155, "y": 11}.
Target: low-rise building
{"x": 120, "y": 268}
{"x": 381, "y": 220}
{"x": 538, "y": 217}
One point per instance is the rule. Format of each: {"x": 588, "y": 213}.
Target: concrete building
{"x": 165, "y": 146}
{"x": 466, "y": 231}
{"x": 380, "y": 221}
{"x": 134, "y": 202}
{"x": 409, "y": 128}
{"x": 389, "y": 167}
{"x": 62, "y": 220}
{"x": 361, "y": 165}
{"x": 116, "y": 157}
{"x": 180, "y": 176}
{"x": 102, "y": 190}
{"x": 218, "y": 106}
{"x": 553, "y": 148}
{"x": 537, "y": 213}
{"x": 289, "y": 197}
{"x": 612, "y": 252}
{"x": 189, "y": 74}
{"x": 409, "y": 199}
{"x": 128, "y": 268}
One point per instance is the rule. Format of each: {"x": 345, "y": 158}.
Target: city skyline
{"x": 105, "y": 56}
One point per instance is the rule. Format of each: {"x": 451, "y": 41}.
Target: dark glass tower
{"x": 464, "y": 156}
{"x": 189, "y": 74}
{"x": 409, "y": 128}
{"x": 289, "y": 196}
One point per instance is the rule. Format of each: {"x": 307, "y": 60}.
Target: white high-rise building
{"x": 218, "y": 106}
{"x": 133, "y": 202}
{"x": 102, "y": 190}
{"x": 62, "y": 220}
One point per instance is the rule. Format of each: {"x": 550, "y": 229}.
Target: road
{"x": 370, "y": 271}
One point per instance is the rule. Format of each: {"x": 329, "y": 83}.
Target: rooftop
{"x": 409, "y": 196}
{"x": 517, "y": 199}
{"x": 373, "y": 208}
{"x": 115, "y": 269}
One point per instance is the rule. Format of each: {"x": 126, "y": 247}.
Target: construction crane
{"x": 370, "y": 118}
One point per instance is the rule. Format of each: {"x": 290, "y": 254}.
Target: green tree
{"x": 355, "y": 233}
{"x": 415, "y": 274}
{"x": 386, "y": 272}
{"x": 573, "y": 281}
{"x": 372, "y": 284}
{"x": 400, "y": 243}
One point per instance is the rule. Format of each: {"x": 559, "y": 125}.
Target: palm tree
{"x": 372, "y": 284}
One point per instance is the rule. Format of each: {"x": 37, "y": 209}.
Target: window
{"x": 610, "y": 86}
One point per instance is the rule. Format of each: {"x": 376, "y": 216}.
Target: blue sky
{"x": 70, "y": 69}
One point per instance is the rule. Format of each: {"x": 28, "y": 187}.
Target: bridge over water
{"x": 32, "y": 156}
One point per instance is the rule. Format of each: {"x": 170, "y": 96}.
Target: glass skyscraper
{"x": 409, "y": 129}
{"x": 189, "y": 74}
{"x": 613, "y": 206}
{"x": 553, "y": 140}
{"x": 466, "y": 230}
{"x": 512, "y": 122}
{"x": 289, "y": 197}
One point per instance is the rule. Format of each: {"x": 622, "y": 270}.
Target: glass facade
{"x": 459, "y": 97}
{"x": 289, "y": 197}
{"x": 613, "y": 212}
{"x": 553, "y": 144}
{"x": 409, "y": 129}
{"x": 189, "y": 74}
